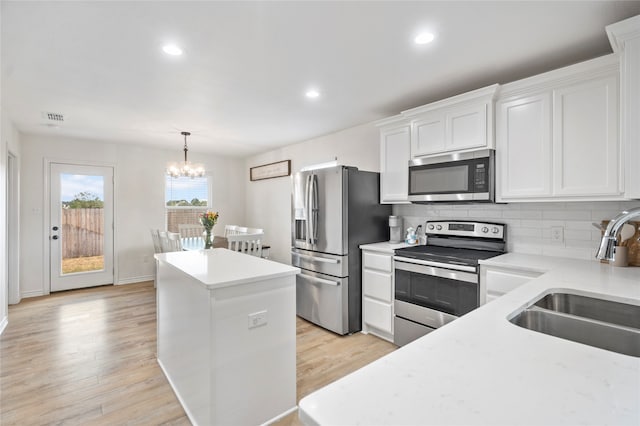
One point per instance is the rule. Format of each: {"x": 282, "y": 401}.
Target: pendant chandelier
{"x": 185, "y": 169}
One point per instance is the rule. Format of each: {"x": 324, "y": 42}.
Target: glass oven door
{"x": 444, "y": 290}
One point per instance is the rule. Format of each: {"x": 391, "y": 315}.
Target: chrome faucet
{"x": 608, "y": 242}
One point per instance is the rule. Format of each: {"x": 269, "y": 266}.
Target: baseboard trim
{"x": 135, "y": 280}
{"x": 3, "y": 324}
{"x": 33, "y": 293}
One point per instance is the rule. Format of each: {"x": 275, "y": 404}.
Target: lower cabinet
{"x": 377, "y": 294}
{"x": 498, "y": 281}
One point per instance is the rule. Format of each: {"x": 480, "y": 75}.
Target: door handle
{"x": 314, "y": 258}
{"x": 319, "y": 280}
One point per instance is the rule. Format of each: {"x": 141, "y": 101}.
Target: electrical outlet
{"x": 257, "y": 319}
{"x": 557, "y": 234}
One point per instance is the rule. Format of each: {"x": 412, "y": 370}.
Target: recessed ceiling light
{"x": 312, "y": 94}
{"x": 424, "y": 38}
{"x": 172, "y": 49}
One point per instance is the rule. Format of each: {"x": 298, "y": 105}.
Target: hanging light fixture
{"x": 185, "y": 169}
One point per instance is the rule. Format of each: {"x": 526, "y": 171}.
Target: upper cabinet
{"x": 625, "y": 40}
{"x": 395, "y": 136}
{"x": 557, "y": 135}
{"x": 460, "y": 123}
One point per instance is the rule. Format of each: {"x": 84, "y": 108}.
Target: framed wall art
{"x": 271, "y": 170}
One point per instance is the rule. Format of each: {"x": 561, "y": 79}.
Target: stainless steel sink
{"x": 591, "y": 321}
{"x": 591, "y": 307}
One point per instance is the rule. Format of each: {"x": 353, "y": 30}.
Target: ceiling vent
{"x": 53, "y": 117}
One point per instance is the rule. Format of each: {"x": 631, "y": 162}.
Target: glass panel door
{"x": 81, "y": 226}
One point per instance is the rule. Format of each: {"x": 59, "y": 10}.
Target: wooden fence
{"x": 82, "y": 232}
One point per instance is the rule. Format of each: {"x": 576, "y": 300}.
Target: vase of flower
{"x": 208, "y": 238}
{"x": 208, "y": 221}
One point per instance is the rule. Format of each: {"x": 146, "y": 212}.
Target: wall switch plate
{"x": 257, "y": 319}
{"x": 557, "y": 234}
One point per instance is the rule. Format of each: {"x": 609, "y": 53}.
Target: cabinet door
{"x": 394, "y": 164}
{"x": 428, "y": 134}
{"x": 498, "y": 282}
{"x": 523, "y": 134}
{"x": 585, "y": 138}
{"x": 466, "y": 127}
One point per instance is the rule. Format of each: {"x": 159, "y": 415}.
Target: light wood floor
{"x": 89, "y": 357}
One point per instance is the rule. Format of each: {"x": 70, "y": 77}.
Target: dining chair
{"x": 155, "y": 236}
{"x": 190, "y": 230}
{"x": 170, "y": 241}
{"x": 246, "y": 243}
{"x": 255, "y": 231}
{"x": 235, "y": 230}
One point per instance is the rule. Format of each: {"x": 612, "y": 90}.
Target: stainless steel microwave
{"x": 458, "y": 177}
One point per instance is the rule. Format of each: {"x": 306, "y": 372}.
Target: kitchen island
{"x": 226, "y": 335}
{"x": 482, "y": 369}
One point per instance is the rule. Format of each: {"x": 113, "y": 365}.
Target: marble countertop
{"x": 220, "y": 267}
{"x": 384, "y": 246}
{"x": 481, "y": 369}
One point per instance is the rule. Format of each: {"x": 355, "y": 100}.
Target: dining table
{"x": 219, "y": 241}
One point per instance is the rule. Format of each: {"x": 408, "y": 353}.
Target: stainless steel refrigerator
{"x": 334, "y": 210}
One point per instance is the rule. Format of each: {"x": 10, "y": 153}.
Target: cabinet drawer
{"x": 381, "y": 262}
{"x": 377, "y": 285}
{"x": 378, "y": 314}
{"x": 502, "y": 282}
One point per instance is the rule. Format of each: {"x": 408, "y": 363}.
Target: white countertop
{"x": 220, "y": 267}
{"x": 384, "y": 246}
{"x": 483, "y": 370}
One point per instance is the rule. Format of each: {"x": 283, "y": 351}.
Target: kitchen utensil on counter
{"x": 626, "y": 233}
{"x": 620, "y": 256}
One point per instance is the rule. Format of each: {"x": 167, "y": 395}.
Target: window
{"x": 186, "y": 191}
{"x": 185, "y": 198}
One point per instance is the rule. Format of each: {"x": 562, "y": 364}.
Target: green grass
{"x": 82, "y": 264}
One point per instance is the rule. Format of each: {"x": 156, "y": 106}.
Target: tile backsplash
{"x": 529, "y": 224}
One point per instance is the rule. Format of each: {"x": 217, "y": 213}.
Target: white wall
{"x": 139, "y": 200}
{"x": 268, "y": 202}
{"x": 529, "y": 224}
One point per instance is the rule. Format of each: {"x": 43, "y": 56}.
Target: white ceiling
{"x": 239, "y": 86}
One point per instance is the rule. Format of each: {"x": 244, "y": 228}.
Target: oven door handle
{"x": 435, "y": 264}
{"x": 436, "y": 272}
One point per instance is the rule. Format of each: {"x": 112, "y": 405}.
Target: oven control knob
{"x": 439, "y": 227}
{"x": 495, "y": 230}
{"x": 485, "y": 229}
{"x": 430, "y": 227}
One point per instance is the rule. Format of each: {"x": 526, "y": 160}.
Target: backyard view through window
{"x": 82, "y": 230}
{"x": 185, "y": 198}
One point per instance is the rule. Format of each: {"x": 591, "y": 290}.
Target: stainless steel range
{"x": 439, "y": 282}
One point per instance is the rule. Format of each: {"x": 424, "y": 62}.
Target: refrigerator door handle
{"x": 307, "y": 207}
{"x": 314, "y": 258}
{"x": 314, "y": 208}
{"x": 318, "y": 280}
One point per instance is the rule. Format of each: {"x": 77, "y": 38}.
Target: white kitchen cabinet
{"x": 557, "y": 135}
{"x": 394, "y": 160}
{"x": 460, "y": 123}
{"x": 524, "y": 146}
{"x": 498, "y": 281}
{"x": 377, "y": 293}
{"x": 625, "y": 40}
